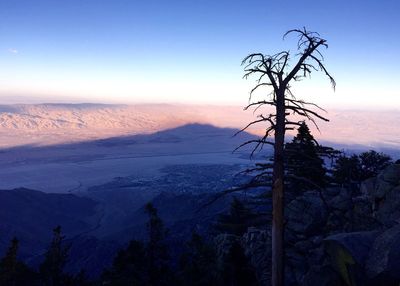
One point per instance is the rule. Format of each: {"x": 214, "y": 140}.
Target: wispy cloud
{"x": 13, "y": 51}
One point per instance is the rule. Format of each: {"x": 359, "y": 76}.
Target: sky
{"x": 128, "y": 51}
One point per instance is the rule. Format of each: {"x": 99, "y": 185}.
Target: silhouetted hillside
{"x": 31, "y": 215}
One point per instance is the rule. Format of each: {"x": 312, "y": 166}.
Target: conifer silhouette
{"x": 8, "y": 265}
{"x": 198, "y": 264}
{"x": 304, "y": 166}
{"x": 237, "y": 220}
{"x": 51, "y": 270}
{"x": 14, "y": 272}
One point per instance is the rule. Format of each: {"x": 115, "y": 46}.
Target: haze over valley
{"x": 82, "y": 145}
{"x": 50, "y": 124}
{"x": 71, "y": 147}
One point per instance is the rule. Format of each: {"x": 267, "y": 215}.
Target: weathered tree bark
{"x": 277, "y": 194}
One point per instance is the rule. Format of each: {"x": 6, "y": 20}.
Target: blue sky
{"x": 190, "y": 51}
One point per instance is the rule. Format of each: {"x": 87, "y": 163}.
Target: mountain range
{"x": 48, "y": 124}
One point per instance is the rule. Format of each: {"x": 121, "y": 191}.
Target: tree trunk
{"x": 277, "y": 193}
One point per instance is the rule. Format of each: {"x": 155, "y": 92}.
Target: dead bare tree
{"x": 276, "y": 72}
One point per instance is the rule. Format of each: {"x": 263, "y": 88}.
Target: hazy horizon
{"x": 57, "y": 123}
{"x": 67, "y": 101}
{"x": 132, "y": 52}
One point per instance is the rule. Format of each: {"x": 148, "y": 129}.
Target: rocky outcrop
{"x": 383, "y": 193}
{"x": 348, "y": 253}
{"x": 257, "y": 247}
{"x": 306, "y": 214}
{"x": 337, "y": 237}
{"x": 346, "y": 236}
{"x": 382, "y": 265}
{"x": 322, "y": 275}
{"x": 223, "y": 243}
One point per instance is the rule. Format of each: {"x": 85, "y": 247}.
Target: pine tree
{"x": 129, "y": 267}
{"x": 347, "y": 170}
{"x": 356, "y": 168}
{"x": 51, "y": 270}
{"x": 8, "y": 265}
{"x": 198, "y": 264}
{"x": 157, "y": 250}
{"x": 146, "y": 264}
{"x": 238, "y": 220}
{"x": 372, "y": 162}
{"x": 304, "y": 166}
{"x": 14, "y": 272}
{"x": 237, "y": 269}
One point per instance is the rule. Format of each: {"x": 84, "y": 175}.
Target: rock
{"x": 304, "y": 246}
{"x": 391, "y": 174}
{"x": 368, "y": 186}
{"x": 296, "y": 266}
{"x": 316, "y": 240}
{"x": 316, "y": 256}
{"x": 383, "y": 194}
{"x": 382, "y": 265}
{"x": 378, "y": 187}
{"x": 370, "y": 256}
{"x": 342, "y": 201}
{"x": 306, "y": 214}
{"x": 257, "y": 246}
{"x": 322, "y": 276}
{"x": 334, "y": 222}
{"x": 290, "y": 236}
{"x": 348, "y": 253}
{"x": 345, "y": 257}
{"x": 223, "y": 243}
{"x": 362, "y": 217}
{"x": 388, "y": 210}
{"x": 331, "y": 192}
{"x": 380, "y": 190}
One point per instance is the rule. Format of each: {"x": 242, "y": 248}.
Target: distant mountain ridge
{"x": 54, "y": 123}
{"x": 60, "y": 123}
{"x": 62, "y": 116}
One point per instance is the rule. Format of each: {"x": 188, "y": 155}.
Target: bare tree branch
{"x": 274, "y": 72}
